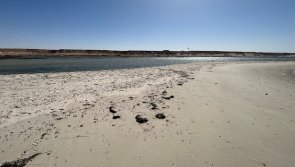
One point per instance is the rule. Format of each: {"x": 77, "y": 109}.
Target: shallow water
{"x": 66, "y": 64}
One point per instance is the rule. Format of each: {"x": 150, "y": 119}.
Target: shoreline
{"x": 221, "y": 114}
{"x": 70, "y": 64}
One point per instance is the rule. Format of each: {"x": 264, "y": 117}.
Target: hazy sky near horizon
{"x": 237, "y": 25}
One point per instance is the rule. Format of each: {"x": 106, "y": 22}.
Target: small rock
{"x": 116, "y": 117}
{"x": 42, "y": 136}
{"x": 140, "y": 119}
{"x": 154, "y": 106}
{"x": 168, "y": 98}
{"x": 58, "y": 118}
{"x": 112, "y": 110}
{"x": 160, "y": 116}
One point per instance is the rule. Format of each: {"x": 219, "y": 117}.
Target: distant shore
{"x": 16, "y": 53}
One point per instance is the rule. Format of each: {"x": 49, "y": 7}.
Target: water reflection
{"x": 54, "y": 64}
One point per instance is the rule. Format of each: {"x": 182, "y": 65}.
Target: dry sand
{"x": 217, "y": 114}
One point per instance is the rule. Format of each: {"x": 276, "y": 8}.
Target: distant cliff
{"x": 15, "y": 53}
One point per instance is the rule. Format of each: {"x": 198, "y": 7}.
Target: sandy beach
{"x": 199, "y": 114}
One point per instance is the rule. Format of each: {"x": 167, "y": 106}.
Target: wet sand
{"x": 203, "y": 114}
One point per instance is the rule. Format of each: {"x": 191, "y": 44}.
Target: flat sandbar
{"x": 199, "y": 114}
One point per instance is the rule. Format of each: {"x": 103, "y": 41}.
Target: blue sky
{"x": 236, "y": 25}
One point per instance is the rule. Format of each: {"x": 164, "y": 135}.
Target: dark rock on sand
{"x": 20, "y": 162}
{"x": 116, "y": 117}
{"x": 164, "y": 93}
{"x": 154, "y": 106}
{"x": 112, "y": 110}
{"x": 42, "y": 136}
{"x": 168, "y": 98}
{"x": 87, "y": 104}
{"x": 140, "y": 119}
{"x": 160, "y": 116}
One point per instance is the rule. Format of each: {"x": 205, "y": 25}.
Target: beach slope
{"x": 201, "y": 114}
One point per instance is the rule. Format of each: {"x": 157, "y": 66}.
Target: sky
{"x": 223, "y": 25}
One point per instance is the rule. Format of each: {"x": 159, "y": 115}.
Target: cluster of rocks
{"x": 114, "y": 112}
